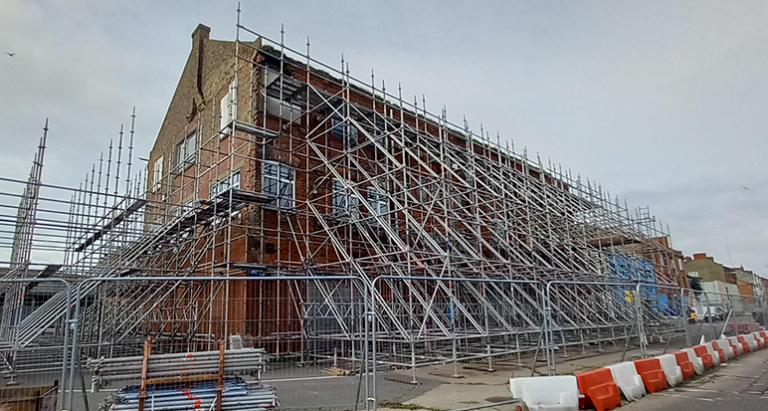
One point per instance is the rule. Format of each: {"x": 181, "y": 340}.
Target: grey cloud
{"x": 662, "y": 101}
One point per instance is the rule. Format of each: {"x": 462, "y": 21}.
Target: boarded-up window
{"x": 229, "y": 107}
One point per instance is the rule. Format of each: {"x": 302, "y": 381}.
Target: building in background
{"x": 734, "y": 287}
{"x": 705, "y": 267}
{"x": 745, "y": 281}
{"x": 675, "y": 267}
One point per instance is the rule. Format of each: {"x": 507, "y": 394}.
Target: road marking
{"x": 673, "y": 395}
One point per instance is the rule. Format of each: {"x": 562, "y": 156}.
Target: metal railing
{"x": 318, "y": 327}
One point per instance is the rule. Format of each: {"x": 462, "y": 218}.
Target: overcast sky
{"x": 662, "y": 102}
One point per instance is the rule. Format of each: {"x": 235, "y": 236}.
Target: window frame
{"x": 378, "y": 201}
{"x": 351, "y": 201}
{"x": 181, "y": 149}
{"x": 228, "y": 106}
{"x": 279, "y": 180}
{"x": 157, "y": 173}
{"x": 344, "y": 130}
{"x": 217, "y": 187}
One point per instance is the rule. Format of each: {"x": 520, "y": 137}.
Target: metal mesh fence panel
{"x": 427, "y": 331}
{"x": 591, "y": 317}
{"x": 33, "y": 357}
{"x": 263, "y": 342}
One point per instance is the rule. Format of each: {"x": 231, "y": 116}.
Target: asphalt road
{"x": 740, "y": 384}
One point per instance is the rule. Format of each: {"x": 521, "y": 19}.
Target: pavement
{"x": 476, "y": 387}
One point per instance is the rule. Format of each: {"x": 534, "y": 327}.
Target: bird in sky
{"x": 745, "y": 187}
{"x": 10, "y": 54}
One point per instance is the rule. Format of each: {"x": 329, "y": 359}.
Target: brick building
{"x": 322, "y": 175}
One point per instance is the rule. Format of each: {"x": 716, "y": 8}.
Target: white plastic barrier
{"x": 671, "y": 369}
{"x": 752, "y": 342}
{"x": 727, "y": 349}
{"x": 713, "y": 352}
{"x": 735, "y": 341}
{"x": 555, "y": 393}
{"x": 626, "y": 377}
{"x": 698, "y": 366}
{"x": 759, "y": 339}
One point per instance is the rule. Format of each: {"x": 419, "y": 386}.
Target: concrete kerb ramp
{"x": 553, "y": 393}
{"x": 626, "y": 377}
{"x": 673, "y": 371}
{"x": 698, "y": 365}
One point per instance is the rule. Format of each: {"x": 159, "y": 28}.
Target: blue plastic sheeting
{"x": 625, "y": 267}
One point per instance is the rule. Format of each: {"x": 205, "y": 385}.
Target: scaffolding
{"x": 308, "y": 172}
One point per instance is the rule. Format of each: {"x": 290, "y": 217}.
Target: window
{"x": 343, "y": 203}
{"x": 157, "y": 173}
{"x": 337, "y": 126}
{"x": 278, "y": 182}
{"x": 181, "y": 209}
{"x": 378, "y": 201}
{"x": 340, "y": 199}
{"x": 341, "y": 129}
{"x": 229, "y": 106}
{"x": 225, "y": 183}
{"x": 427, "y": 192}
{"x": 186, "y": 150}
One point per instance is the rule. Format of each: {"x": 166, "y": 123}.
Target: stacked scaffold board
{"x": 211, "y": 380}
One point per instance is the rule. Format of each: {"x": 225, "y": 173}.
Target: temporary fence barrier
{"x": 742, "y": 346}
{"x": 703, "y": 353}
{"x": 326, "y": 326}
{"x": 735, "y": 345}
{"x": 555, "y": 393}
{"x": 672, "y": 371}
{"x": 583, "y": 313}
{"x": 626, "y": 377}
{"x": 717, "y": 357}
{"x": 663, "y": 323}
{"x": 754, "y": 344}
{"x": 442, "y": 322}
{"x": 764, "y": 336}
{"x": 652, "y": 374}
{"x": 34, "y": 358}
{"x": 759, "y": 339}
{"x": 724, "y": 348}
{"x": 686, "y": 364}
{"x": 599, "y": 389}
{"x": 266, "y": 338}
{"x": 749, "y": 346}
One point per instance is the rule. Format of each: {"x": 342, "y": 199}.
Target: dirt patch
{"x": 394, "y": 405}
